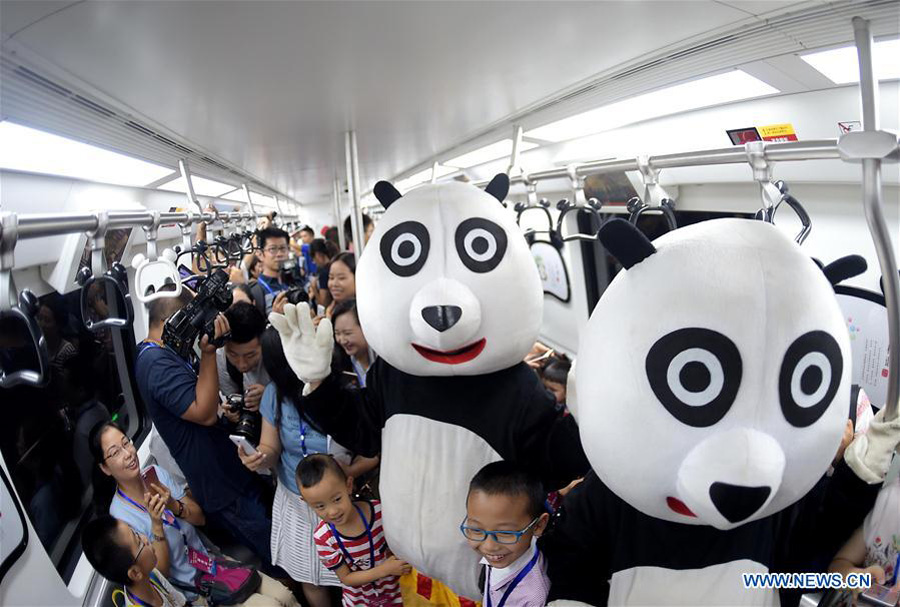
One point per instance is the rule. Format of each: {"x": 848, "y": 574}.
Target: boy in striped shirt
{"x": 349, "y": 539}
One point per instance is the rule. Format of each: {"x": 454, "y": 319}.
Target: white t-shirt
{"x": 881, "y": 531}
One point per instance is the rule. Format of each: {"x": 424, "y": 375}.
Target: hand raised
{"x": 307, "y": 348}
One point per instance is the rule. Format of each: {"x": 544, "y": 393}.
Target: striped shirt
{"x": 385, "y": 591}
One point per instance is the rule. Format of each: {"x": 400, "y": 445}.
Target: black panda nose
{"x": 442, "y": 318}
{"x": 737, "y": 503}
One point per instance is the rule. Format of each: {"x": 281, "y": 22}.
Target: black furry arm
{"x": 353, "y": 417}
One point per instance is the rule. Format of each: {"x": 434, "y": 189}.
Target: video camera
{"x": 198, "y": 317}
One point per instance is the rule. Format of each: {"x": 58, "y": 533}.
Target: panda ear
{"x": 498, "y": 187}
{"x": 625, "y": 242}
{"x": 386, "y": 193}
{"x": 845, "y": 267}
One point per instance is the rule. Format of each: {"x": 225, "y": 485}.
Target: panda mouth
{"x": 452, "y": 357}
{"x": 676, "y": 505}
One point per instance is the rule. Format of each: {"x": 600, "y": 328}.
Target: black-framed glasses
{"x": 276, "y": 250}
{"x": 501, "y": 537}
{"x": 141, "y": 542}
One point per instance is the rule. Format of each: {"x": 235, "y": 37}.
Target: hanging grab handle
{"x": 97, "y": 285}
{"x": 591, "y": 206}
{"x": 18, "y": 320}
{"x": 636, "y": 207}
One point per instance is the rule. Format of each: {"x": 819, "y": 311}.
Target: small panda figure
{"x": 713, "y": 384}
{"x": 449, "y": 298}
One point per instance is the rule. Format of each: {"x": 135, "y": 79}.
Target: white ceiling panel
{"x": 271, "y": 86}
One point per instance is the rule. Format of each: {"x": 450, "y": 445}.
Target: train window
{"x": 44, "y": 434}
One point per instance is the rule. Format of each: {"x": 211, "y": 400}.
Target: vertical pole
{"x": 872, "y": 202}
{"x": 250, "y": 202}
{"x": 434, "y": 175}
{"x": 356, "y": 221}
{"x": 342, "y": 241}
{"x": 188, "y": 184}
{"x": 518, "y": 131}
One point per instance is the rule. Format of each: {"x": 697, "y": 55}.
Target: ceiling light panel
{"x": 841, "y": 65}
{"x": 202, "y": 186}
{"x": 26, "y": 149}
{"x": 487, "y": 153}
{"x": 713, "y": 90}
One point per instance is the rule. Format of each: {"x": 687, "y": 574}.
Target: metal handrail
{"x": 39, "y": 225}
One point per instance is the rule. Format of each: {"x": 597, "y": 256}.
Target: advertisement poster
{"x": 868, "y": 326}
{"x": 552, "y": 269}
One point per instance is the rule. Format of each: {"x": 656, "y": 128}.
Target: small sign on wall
{"x": 849, "y": 126}
{"x": 778, "y": 132}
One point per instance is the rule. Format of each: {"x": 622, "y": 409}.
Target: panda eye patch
{"x": 695, "y": 373}
{"x": 809, "y": 378}
{"x": 481, "y": 244}
{"x": 404, "y": 248}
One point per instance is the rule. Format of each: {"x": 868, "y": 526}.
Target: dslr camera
{"x": 198, "y": 317}
{"x": 248, "y": 424}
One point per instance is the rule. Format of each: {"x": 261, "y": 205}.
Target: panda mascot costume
{"x": 450, "y": 300}
{"x": 712, "y": 391}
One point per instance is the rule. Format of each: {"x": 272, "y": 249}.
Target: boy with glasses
{"x": 123, "y": 556}
{"x": 273, "y": 252}
{"x": 504, "y": 516}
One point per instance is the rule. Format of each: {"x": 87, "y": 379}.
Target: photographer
{"x": 273, "y": 253}
{"x": 183, "y": 404}
{"x": 240, "y": 365}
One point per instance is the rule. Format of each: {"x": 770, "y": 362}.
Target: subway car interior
{"x": 513, "y": 199}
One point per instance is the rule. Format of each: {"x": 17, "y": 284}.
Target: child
{"x": 125, "y": 557}
{"x": 555, "y": 375}
{"x": 504, "y": 514}
{"x": 349, "y": 539}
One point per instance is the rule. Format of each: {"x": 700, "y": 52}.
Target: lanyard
{"x": 360, "y": 372}
{"x": 519, "y": 577}
{"x": 303, "y": 438}
{"x": 265, "y": 285}
{"x": 337, "y": 537}
{"x": 136, "y": 601}
{"x": 148, "y": 345}
{"x": 168, "y": 512}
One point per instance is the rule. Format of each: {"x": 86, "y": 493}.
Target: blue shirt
{"x": 139, "y": 520}
{"x": 290, "y": 429}
{"x": 208, "y": 459}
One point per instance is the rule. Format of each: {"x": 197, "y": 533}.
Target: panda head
{"x": 446, "y": 284}
{"x": 713, "y": 376}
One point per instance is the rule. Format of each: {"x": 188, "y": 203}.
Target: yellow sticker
{"x": 778, "y": 132}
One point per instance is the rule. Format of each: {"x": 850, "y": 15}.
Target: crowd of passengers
{"x": 306, "y": 507}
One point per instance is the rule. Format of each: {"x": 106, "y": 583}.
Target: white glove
{"x": 869, "y": 455}
{"x": 307, "y": 348}
{"x": 571, "y": 394}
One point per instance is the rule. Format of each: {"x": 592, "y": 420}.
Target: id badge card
{"x": 200, "y": 561}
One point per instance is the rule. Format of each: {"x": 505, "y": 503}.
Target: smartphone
{"x": 245, "y": 445}
{"x": 248, "y": 449}
{"x": 150, "y": 477}
{"x": 881, "y": 595}
{"x": 320, "y": 310}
